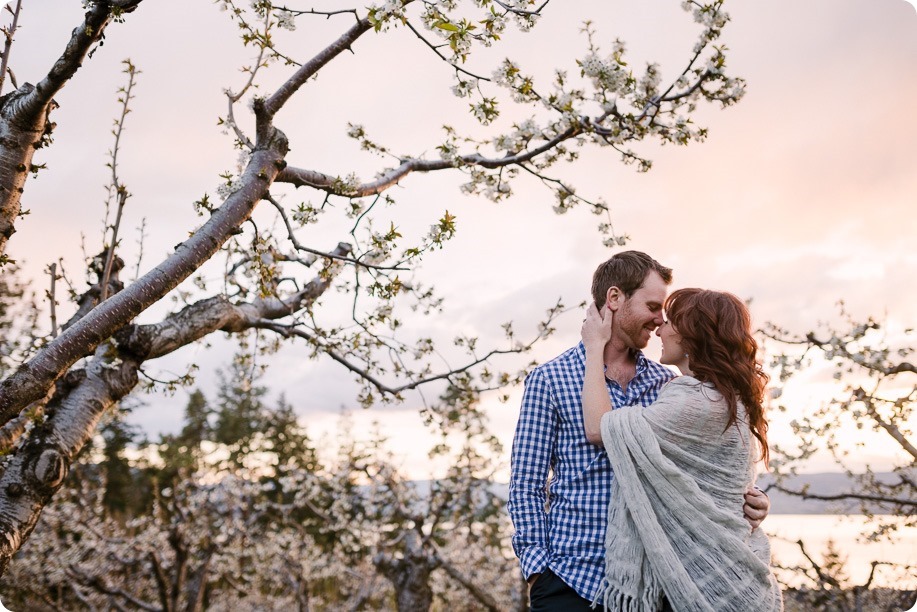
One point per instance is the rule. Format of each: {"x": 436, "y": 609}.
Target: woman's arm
{"x": 596, "y": 333}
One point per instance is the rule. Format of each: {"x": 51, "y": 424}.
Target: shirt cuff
{"x": 534, "y": 560}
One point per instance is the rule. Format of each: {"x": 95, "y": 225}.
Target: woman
{"x": 676, "y": 535}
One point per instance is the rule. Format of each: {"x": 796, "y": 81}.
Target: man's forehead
{"x": 653, "y": 289}
{"x": 652, "y": 293}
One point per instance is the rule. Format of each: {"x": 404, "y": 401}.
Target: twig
{"x": 483, "y": 598}
{"x": 327, "y": 14}
{"x": 79, "y": 595}
{"x": 110, "y": 254}
{"x": 890, "y": 428}
{"x": 52, "y": 299}
{"x": 518, "y": 11}
{"x": 317, "y": 180}
{"x": 140, "y": 245}
{"x": 845, "y": 496}
{"x": 435, "y": 50}
{"x": 364, "y": 213}
{"x": 98, "y": 583}
{"x": 569, "y": 191}
{"x": 309, "y": 69}
{"x": 131, "y": 72}
{"x": 63, "y": 275}
{"x": 116, "y": 185}
{"x": 168, "y": 383}
{"x": 233, "y": 98}
{"x": 290, "y": 330}
{"x": 664, "y": 97}
{"x": 300, "y": 247}
{"x": 822, "y": 576}
{"x": 7, "y": 46}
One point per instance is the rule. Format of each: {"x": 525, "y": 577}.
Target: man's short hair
{"x": 627, "y": 271}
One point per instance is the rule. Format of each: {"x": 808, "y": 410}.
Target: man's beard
{"x": 633, "y": 331}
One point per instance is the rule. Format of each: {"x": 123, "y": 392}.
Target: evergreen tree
{"x": 121, "y": 492}
{"x": 240, "y": 409}
{"x": 182, "y": 454}
{"x": 196, "y": 426}
{"x": 288, "y": 440}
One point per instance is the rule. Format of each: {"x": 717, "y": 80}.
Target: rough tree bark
{"x": 410, "y": 575}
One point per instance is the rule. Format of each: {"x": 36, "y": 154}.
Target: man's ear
{"x": 614, "y": 297}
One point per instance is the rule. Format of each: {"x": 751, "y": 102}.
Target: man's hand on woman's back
{"x": 757, "y": 505}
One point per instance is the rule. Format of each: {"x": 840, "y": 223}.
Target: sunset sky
{"x": 803, "y": 195}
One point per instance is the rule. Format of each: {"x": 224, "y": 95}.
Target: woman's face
{"x": 672, "y": 351}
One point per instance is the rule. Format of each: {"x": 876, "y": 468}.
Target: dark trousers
{"x": 551, "y": 594}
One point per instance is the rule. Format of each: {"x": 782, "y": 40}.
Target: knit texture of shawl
{"x": 675, "y": 524}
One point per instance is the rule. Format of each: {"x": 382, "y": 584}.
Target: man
{"x": 560, "y": 525}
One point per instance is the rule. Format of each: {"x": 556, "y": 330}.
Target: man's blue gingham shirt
{"x": 561, "y": 525}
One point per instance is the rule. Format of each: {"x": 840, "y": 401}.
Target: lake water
{"x": 847, "y": 531}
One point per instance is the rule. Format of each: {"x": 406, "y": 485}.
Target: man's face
{"x": 640, "y": 314}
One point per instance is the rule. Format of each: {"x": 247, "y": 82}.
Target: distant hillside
{"x": 828, "y": 483}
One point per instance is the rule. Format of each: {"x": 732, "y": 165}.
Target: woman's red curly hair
{"x": 715, "y": 330}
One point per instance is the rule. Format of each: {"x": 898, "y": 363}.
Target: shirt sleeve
{"x": 533, "y": 448}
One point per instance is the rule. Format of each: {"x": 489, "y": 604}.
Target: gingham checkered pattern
{"x": 561, "y": 524}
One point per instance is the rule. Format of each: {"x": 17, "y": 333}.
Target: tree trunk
{"x": 38, "y": 468}
{"x": 410, "y": 575}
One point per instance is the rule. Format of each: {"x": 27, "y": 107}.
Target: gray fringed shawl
{"x": 675, "y": 524}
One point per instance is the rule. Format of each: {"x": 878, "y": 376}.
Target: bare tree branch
{"x": 99, "y": 583}
{"x": 435, "y": 50}
{"x": 893, "y": 431}
{"x": 8, "y": 43}
{"x": 310, "y": 68}
{"x": 823, "y": 577}
{"x": 483, "y": 598}
{"x": 364, "y": 373}
{"x": 844, "y": 496}
{"x": 310, "y": 178}
{"x": 30, "y": 381}
{"x": 334, "y": 255}
{"x": 24, "y": 113}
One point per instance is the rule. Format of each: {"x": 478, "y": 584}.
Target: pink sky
{"x": 804, "y": 193}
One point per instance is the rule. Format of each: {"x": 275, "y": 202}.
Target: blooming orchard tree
{"x": 206, "y": 545}
{"x": 283, "y": 533}
{"x": 875, "y": 392}
{"x": 52, "y": 402}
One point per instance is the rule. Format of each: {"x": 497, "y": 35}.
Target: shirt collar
{"x": 642, "y": 361}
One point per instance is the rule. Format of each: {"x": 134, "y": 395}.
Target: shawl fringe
{"x": 616, "y": 601}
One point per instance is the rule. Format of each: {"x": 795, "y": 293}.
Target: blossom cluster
{"x": 285, "y": 20}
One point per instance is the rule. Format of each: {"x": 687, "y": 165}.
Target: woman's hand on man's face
{"x": 596, "y": 329}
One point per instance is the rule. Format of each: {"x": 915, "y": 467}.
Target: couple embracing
{"x": 631, "y": 488}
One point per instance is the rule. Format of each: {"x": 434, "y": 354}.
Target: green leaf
{"x": 445, "y": 25}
